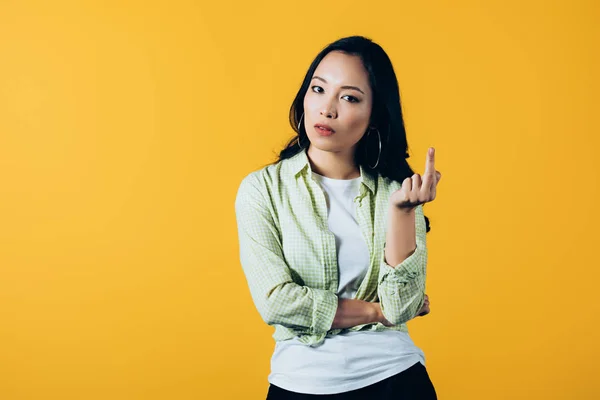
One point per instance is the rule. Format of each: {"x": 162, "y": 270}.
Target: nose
{"x": 328, "y": 111}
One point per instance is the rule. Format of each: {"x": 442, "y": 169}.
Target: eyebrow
{"x": 343, "y": 87}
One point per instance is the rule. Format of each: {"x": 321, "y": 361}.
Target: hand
{"x": 380, "y": 318}
{"x": 425, "y": 309}
{"x": 414, "y": 192}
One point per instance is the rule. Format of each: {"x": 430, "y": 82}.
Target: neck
{"x": 334, "y": 165}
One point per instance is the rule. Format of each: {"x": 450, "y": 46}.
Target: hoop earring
{"x": 298, "y": 138}
{"x": 378, "y": 155}
{"x": 300, "y": 122}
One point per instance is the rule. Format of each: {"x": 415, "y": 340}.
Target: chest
{"x": 309, "y": 244}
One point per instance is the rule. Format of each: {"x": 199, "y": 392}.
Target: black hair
{"x": 386, "y": 114}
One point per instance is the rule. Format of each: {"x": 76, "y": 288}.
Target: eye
{"x": 318, "y": 87}
{"x": 352, "y": 99}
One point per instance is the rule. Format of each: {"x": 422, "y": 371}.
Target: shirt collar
{"x": 299, "y": 163}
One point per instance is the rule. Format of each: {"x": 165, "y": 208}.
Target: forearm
{"x": 402, "y": 277}
{"x": 401, "y": 236}
{"x": 353, "y": 312}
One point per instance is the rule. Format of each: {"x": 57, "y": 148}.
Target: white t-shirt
{"x": 350, "y": 360}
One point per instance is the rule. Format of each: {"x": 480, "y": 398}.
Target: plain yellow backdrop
{"x": 126, "y": 127}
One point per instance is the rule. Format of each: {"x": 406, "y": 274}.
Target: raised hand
{"x": 416, "y": 191}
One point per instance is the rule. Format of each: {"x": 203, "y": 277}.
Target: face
{"x": 339, "y": 96}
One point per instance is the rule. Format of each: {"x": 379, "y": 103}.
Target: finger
{"x": 433, "y": 192}
{"x": 430, "y": 164}
{"x": 416, "y": 187}
{"x": 407, "y": 187}
{"x": 429, "y": 175}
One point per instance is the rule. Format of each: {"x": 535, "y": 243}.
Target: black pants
{"x": 411, "y": 384}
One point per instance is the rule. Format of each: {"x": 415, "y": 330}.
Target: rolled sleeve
{"x": 401, "y": 288}
{"x": 325, "y": 305}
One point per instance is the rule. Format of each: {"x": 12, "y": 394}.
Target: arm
{"x": 278, "y": 299}
{"x": 353, "y": 312}
{"x": 400, "y": 236}
{"x": 403, "y": 266}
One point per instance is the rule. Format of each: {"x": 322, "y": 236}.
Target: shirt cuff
{"x": 408, "y": 269}
{"x": 325, "y": 305}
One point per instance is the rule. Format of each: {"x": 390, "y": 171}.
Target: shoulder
{"x": 389, "y": 182}
{"x": 386, "y": 185}
{"x": 260, "y": 182}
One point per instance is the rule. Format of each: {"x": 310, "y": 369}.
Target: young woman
{"x": 332, "y": 236}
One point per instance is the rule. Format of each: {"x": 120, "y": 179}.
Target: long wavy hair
{"x": 386, "y": 114}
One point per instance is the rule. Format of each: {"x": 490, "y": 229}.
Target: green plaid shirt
{"x": 288, "y": 254}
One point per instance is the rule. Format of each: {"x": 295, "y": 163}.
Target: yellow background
{"x": 126, "y": 127}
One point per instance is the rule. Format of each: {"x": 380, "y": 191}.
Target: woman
{"x": 332, "y": 236}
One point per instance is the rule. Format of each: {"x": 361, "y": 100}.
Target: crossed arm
{"x": 352, "y": 312}
{"x": 280, "y": 300}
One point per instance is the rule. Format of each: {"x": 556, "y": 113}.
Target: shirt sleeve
{"x": 401, "y": 288}
{"x": 278, "y": 299}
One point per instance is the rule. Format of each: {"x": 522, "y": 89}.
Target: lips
{"x": 324, "y": 130}
{"x": 324, "y": 127}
